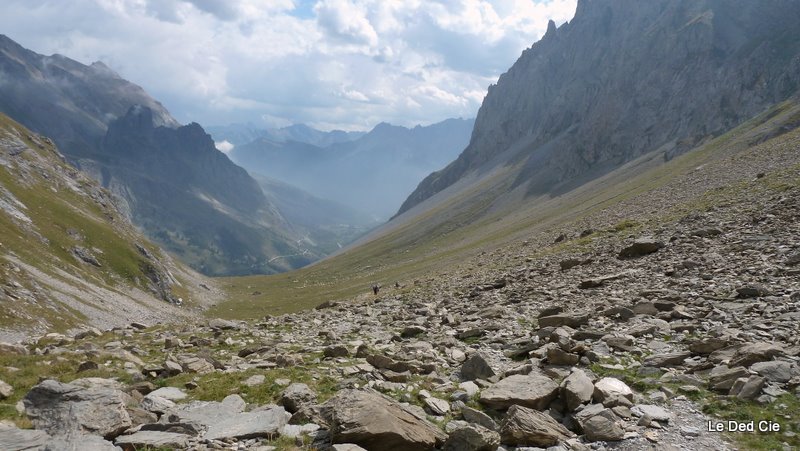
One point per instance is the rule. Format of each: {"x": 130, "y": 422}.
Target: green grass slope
{"x": 67, "y": 257}
{"x": 428, "y": 241}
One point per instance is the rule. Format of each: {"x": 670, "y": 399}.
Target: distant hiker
{"x": 376, "y": 288}
{"x": 397, "y": 284}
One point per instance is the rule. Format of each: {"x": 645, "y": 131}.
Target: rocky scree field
{"x": 630, "y": 327}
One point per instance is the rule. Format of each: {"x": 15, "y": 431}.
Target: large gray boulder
{"x": 600, "y": 428}
{"x": 228, "y": 420}
{"x": 63, "y": 409}
{"x": 472, "y": 437}
{"x": 265, "y": 423}
{"x": 528, "y": 427}
{"x": 297, "y": 395}
{"x": 476, "y": 367}
{"x": 533, "y": 390}
{"x": 205, "y": 413}
{"x": 577, "y": 389}
{"x": 376, "y": 422}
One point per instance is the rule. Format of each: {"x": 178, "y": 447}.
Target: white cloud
{"x": 224, "y": 146}
{"x": 330, "y": 63}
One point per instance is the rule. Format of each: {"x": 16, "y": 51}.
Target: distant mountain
{"x": 623, "y": 78}
{"x": 174, "y": 184}
{"x": 68, "y": 257}
{"x": 66, "y": 100}
{"x": 372, "y": 174}
{"x": 325, "y": 226}
{"x": 238, "y": 134}
{"x": 196, "y": 202}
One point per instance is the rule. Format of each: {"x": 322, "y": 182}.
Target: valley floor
{"x": 630, "y": 327}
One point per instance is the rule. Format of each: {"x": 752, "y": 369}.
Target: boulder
{"x": 750, "y": 389}
{"x": 774, "y": 371}
{"x": 600, "y": 428}
{"x": 6, "y": 390}
{"x": 157, "y": 404}
{"x": 576, "y": 389}
{"x": 722, "y": 378}
{"x": 532, "y": 390}
{"x": 336, "y": 351}
{"x": 13, "y": 349}
{"x": 437, "y": 406}
{"x": 572, "y": 320}
{"x": 609, "y": 387}
{"x": 204, "y": 414}
{"x": 254, "y": 380}
{"x": 752, "y": 353}
{"x": 668, "y": 359}
{"x": 171, "y": 393}
{"x": 262, "y": 423}
{"x": 752, "y": 291}
{"x": 476, "y": 367}
{"x": 62, "y": 409}
{"x": 557, "y": 356}
{"x": 477, "y": 417}
{"x": 640, "y": 247}
{"x": 191, "y": 364}
{"x": 656, "y": 413}
{"x": 374, "y": 421}
{"x": 297, "y": 395}
{"x": 528, "y": 427}
{"x": 152, "y": 439}
{"x": 472, "y": 437}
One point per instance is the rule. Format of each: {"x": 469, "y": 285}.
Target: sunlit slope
{"x": 67, "y": 256}
{"x": 428, "y": 240}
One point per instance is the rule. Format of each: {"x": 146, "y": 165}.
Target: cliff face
{"x": 69, "y": 101}
{"x": 192, "y": 199}
{"x": 626, "y": 77}
{"x": 170, "y": 179}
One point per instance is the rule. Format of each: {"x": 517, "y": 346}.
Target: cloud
{"x": 330, "y": 63}
{"x": 224, "y": 146}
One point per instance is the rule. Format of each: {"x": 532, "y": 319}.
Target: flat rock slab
{"x": 657, "y": 413}
{"x": 171, "y": 393}
{"x": 533, "y": 390}
{"x": 265, "y": 423}
{"x": 205, "y": 413}
{"x": 152, "y": 439}
{"x": 373, "y": 421}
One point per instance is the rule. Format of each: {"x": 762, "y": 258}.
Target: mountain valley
{"x": 606, "y": 258}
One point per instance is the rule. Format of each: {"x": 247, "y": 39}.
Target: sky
{"x": 332, "y": 64}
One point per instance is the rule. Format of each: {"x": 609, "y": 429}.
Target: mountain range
{"x": 68, "y": 256}
{"x": 612, "y": 261}
{"x": 238, "y": 134}
{"x": 170, "y": 179}
{"x": 371, "y": 173}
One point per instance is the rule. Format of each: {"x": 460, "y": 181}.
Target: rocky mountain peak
{"x": 624, "y": 78}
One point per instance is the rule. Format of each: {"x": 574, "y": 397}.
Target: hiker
{"x": 376, "y": 288}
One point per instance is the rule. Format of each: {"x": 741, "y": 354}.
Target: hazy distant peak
{"x": 100, "y": 68}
